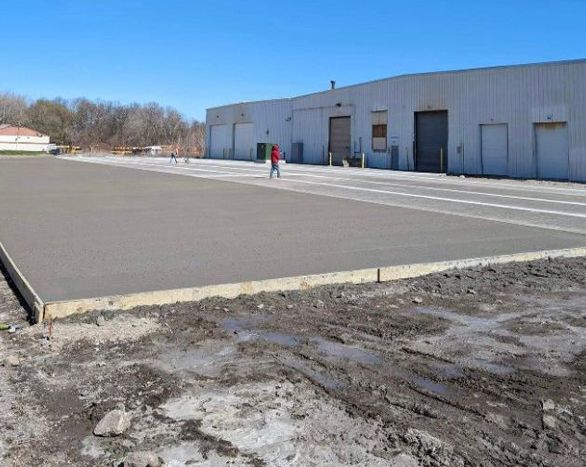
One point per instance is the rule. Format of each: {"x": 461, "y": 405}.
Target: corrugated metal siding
{"x": 519, "y": 96}
{"x": 271, "y": 121}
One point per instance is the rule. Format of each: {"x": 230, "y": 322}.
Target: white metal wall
{"x": 271, "y": 123}
{"x": 519, "y": 96}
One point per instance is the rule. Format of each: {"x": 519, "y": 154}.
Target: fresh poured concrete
{"x": 78, "y": 230}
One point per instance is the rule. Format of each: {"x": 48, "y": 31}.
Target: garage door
{"x": 243, "y": 141}
{"x": 431, "y": 141}
{"x": 551, "y": 145}
{"x": 494, "y": 149}
{"x": 218, "y": 140}
{"x": 340, "y": 139}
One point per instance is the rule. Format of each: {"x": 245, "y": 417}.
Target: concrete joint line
{"x": 60, "y": 309}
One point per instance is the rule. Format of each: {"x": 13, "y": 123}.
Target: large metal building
{"x": 526, "y": 121}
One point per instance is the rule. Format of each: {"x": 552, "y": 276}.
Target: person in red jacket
{"x": 275, "y": 156}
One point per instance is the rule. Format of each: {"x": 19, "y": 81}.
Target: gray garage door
{"x": 551, "y": 147}
{"x": 340, "y": 139}
{"x": 494, "y": 149}
{"x": 218, "y": 140}
{"x": 243, "y": 141}
{"x": 431, "y": 141}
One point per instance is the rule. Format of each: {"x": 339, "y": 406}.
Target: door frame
{"x": 250, "y": 156}
{"x": 332, "y": 117}
{"x": 481, "y": 152}
{"x": 415, "y": 149}
{"x": 535, "y": 150}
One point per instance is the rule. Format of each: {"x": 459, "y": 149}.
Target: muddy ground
{"x": 474, "y": 367}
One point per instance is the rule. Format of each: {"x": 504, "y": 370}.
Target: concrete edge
{"x": 60, "y": 309}
{"x": 25, "y": 289}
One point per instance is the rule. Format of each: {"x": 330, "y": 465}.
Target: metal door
{"x": 243, "y": 141}
{"x": 552, "y": 150}
{"x": 494, "y": 149}
{"x": 340, "y": 139}
{"x": 218, "y": 141}
{"x": 431, "y": 141}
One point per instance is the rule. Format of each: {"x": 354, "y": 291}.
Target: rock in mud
{"x": 427, "y": 446}
{"x": 11, "y": 360}
{"x": 549, "y": 422}
{"x": 142, "y": 459}
{"x": 404, "y": 460}
{"x": 114, "y": 423}
{"x": 100, "y": 321}
{"x": 417, "y": 300}
{"x": 548, "y": 405}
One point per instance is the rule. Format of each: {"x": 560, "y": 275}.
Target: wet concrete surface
{"x": 81, "y": 230}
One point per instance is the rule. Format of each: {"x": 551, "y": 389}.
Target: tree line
{"x": 102, "y": 125}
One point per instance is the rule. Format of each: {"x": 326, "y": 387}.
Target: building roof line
{"x": 251, "y": 102}
{"x": 413, "y": 75}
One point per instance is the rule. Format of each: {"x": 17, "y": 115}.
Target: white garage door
{"x": 551, "y": 144}
{"x": 243, "y": 141}
{"x": 218, "y": 139}
{"x": 495, "y": 149}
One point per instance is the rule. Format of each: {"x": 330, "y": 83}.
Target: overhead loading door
{"x": 340, "y": 139}
{"x": 431, "y": 141}
{"x": 243, "y": 141}
{"x": 218, "y": 137}
{"x": 494, "y": 149}
{"x": 552, "y": 150}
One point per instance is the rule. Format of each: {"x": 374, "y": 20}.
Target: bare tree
{"x": 12, "y": 109}
{"x": 103, "y": 125}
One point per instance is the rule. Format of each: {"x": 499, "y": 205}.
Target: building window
{"x": 379, "y": 131}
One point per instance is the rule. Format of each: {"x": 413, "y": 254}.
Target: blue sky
{"x": 194, "y": 54}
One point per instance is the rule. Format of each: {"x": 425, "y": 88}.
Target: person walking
{"x": 173, "y": 158}
{"x": 275, "y": 157}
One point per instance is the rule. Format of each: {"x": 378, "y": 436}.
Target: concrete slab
{"x": 78, "y": 230}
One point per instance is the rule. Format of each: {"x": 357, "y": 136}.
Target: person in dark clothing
{"x": 275, "y": 157}
{"x": 173, "y": 158}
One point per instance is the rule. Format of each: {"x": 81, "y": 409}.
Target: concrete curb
{"x": 61, "y": 309}
{"x": 28, "y": 293}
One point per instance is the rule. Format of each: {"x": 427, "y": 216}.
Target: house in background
{"x": 20, "y": 138}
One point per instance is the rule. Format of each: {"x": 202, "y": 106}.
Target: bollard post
{"x": 330, "y": 156}
{"x": 362, "y": 160}
{"x": 442, "y": 159}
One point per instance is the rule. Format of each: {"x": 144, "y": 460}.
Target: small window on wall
{"x": 379, "y": 131}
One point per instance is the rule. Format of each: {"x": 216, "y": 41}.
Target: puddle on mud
{"x": 477, "y": 322}
{"x": 429, "y": 385}
{"x": 280, "y": 338}
{"x": 207, "y": 360}
{"x": 336, "y": 350}
{"x": 491, "y": 367}
{"x": 477, "y": 333}
{"x": 244, "y": 328}
{"x": 319, "y": 377}
{"x": 448, "y": 371}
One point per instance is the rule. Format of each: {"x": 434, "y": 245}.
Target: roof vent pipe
{"x": 333, "y": 83}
